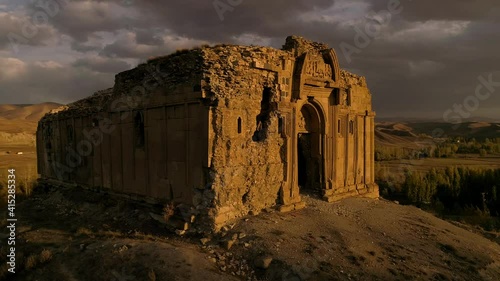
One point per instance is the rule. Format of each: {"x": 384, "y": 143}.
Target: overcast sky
{"x": 421, "y": 58}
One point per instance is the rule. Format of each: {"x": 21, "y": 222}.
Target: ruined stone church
{"x": 226, "y": 130}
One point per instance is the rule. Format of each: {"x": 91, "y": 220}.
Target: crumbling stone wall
{"x": 215, "y": 131}
{"x": 254, "y": 159}
{"x": 247, "y": 152}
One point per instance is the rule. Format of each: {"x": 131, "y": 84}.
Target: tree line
{"x": 465, "y": 192}
{"x": 444, "y": 149}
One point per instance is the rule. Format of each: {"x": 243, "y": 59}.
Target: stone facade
{"x": 224, "y": 131}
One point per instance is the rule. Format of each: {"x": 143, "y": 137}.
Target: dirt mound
{"x": 92, "y": 236}
{"x": 361, "y": 239}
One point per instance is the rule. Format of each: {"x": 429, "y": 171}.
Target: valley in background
{"x": 454, "y": 177}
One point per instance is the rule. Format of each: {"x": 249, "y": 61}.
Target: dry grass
{"x": 168, "y": 211}
{"x": 25, "y": 170}
{"x": 397, "y": 167}
{"x": 34, "y": 260}
{"x": 84, "y": 231}
{"x": 4, "y": 271}
{"x": 152, "y": 275}
{"x": 26, "y": 183}
{"x": 45, "y": 256}
{"x": 31, "y": 261}
{"x": 110, "y": 234}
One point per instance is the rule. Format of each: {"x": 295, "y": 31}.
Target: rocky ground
{"x": 80, "y": 235}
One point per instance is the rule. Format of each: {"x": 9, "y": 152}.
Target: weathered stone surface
{"x": 220, "y": 132}
{"x": 204, "y": 241}
{"x": 228, "y": 244}
{"x": 263, "y": 262}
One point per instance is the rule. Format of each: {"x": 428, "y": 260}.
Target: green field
{"x": 396, "y": 168}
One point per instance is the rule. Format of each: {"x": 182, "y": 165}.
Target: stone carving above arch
{"x": 318, "y": 69}
{"x": 321, "y": 65}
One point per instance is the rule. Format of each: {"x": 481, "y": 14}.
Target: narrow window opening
{"x": 47, "y": 133}
{"x": 70, "y": 133}
{"x": 264, "y": 118}
{"x": 281, "y": 129}
{"x": 338, "y": 126}
{"x": 139, "y": 130}
{"x": 351, "y": 127}
{"x": 239, "y": 125}
{"x": 336, "y": 97}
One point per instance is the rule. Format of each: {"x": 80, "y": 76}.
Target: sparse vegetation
{"x": 34, "y": 260}
{"x": 443, "y": 149}
{"x": 168, "y": 211}
{"x": 31, "y": 261}
{"x": 45, "y": 256}
{"x": 456, "y": 146}
{"x": 152, "y": 275}
{"x": 82, "y": 231}
{"x": 471, "y": 194}
{"x": 26, "y": 183}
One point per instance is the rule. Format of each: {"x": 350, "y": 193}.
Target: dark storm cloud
{"x": 148, "y": 37}
{"x": 200, "y": 19}
{"x": 424, "y": 59}
{"x": 102, "y": 65}
{"x": 13, "y": 30}
{"x": 81, "y": 19}
{"x": 48, "y": 81}
{"x": 422, "y": 10}
{"x": 130, "y": 46}
{"x": 83, "y": 48}
{"x": 431, "y": 74}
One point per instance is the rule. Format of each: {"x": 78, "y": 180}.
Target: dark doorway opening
{"x": 309, "y": 151}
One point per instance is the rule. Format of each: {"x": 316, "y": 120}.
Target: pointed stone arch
{"x": 334, "y": 62}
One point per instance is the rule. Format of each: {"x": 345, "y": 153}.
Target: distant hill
{"x": 399, "y": 135}
{"x": 418, "y": 134}
{"x": 18, "y": 123}
{"x": 477, "y": 130}
{"x": 31, "y": 113}
{"x": 435, "y": 120}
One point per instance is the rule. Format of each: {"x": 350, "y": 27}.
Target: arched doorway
{"x": 310, "y": 148}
